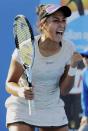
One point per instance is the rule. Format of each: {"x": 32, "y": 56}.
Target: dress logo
{"x": 49, "y": 62}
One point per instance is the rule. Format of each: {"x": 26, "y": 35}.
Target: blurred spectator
{"x": 84, "y": 95}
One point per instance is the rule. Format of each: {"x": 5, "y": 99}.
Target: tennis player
{"x": 53, "y": 73}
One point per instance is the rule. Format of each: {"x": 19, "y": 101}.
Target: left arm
{"x": 67, "y": 80}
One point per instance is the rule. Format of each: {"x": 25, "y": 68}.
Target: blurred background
{"x": 76, "y": 31}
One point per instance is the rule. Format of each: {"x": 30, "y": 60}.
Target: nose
{"x": 62, "y": 24}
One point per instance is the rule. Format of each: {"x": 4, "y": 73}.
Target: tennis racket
{"x": 24, "y": 41}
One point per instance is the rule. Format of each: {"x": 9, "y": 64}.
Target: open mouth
{"x": 59, "y": 32}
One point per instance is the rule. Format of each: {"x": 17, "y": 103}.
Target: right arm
{"x": 15, "y": 72}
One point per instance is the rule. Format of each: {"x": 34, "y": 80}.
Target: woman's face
{"x": 54, "y": 26}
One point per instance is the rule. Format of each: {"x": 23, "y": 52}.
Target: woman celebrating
{"x": 53, "y": 74}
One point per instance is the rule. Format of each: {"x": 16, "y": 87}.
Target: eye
{"x": 64, "y": 20}
{"x": 56, "y": 20}
{"x": 59, "y": 21}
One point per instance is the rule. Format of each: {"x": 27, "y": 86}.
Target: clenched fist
{"x": 77, "y": 59}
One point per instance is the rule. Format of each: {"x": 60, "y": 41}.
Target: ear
{"x": 42, "y": 22}
{"x": 40, "y": 25}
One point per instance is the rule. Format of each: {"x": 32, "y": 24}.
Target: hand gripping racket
{"x": 24, "y": 41}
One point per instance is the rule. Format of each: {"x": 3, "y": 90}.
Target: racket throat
{"x": 30, "y": 84}
{"x": 27, "y": 75}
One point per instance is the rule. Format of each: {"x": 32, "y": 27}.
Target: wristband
{"x": 72, "y": 71}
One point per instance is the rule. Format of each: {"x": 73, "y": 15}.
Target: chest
{"x": 50, "y": 68}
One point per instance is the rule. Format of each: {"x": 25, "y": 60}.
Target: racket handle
{"x": 31, "y": 106}
{"x": 30, "y": 84}
{"x": 31, "y": 103}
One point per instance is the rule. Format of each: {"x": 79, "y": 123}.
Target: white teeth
{"x": 59, "y": 32}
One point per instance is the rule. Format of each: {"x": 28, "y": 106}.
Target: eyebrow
{"x": 58, "y": 17}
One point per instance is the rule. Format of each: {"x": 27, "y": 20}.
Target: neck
{"x": 49, "y": 43}
{"x": 48, "y": 47}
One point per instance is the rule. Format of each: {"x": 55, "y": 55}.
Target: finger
{"x": 29, "y": 97}
{"x": 28, "y": 92}
{"x": 28, "y": 88}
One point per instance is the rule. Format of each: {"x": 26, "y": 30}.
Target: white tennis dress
{"x": 46, "y": 72}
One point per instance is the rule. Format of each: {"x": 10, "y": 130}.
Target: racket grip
{"x": 31, "y": 106}
{"x": 31, "y": 103}
{"x": 30, "y": 84}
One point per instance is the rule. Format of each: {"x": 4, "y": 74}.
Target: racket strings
{"x": 23, "y": 33}
{"x": 24, "y": 39}
{"x": 22, "y": 30}
{"x": 27, "y": 54}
